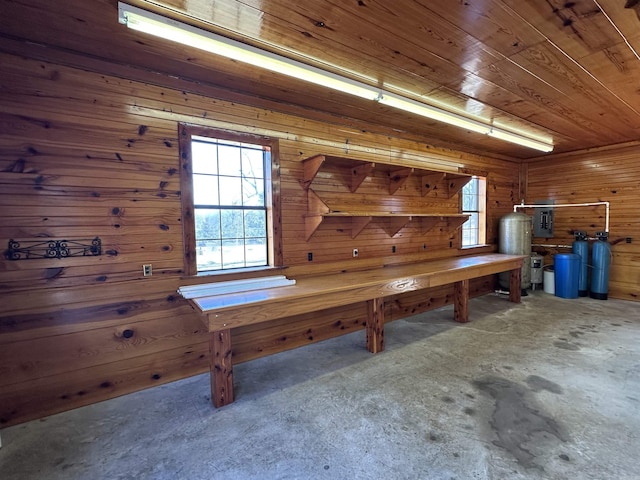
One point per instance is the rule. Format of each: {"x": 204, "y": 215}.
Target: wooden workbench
{"x": 221, "y": 313}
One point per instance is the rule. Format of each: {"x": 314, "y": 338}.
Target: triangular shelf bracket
{"x": 316, "y": 209}
{"x": 315, "y": 205}
{"x": 455, "y": 183}
{"x": 429, "y": 181}
{"x": 358, "y": 224}
{"x": 358, "y": 174}
{"x": 455, "y": 222}
{"x": 429, "y": 222}
{"x": 397, "y": 178}
{"x": 311, "y": 224}
{"x": 397, "y": 223}
{"x": 311, "y": 167}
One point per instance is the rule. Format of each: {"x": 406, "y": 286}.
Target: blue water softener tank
{"x": 580, "y": 246}
{"x": 567, "y": 273}
{"x": 601, "y": 260}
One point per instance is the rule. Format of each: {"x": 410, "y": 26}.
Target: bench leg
{"x": 461, "y": 301}
{"x": 375, "y": 325}
{"x": 515, "y": 285}
{"x": 221, "y": 367}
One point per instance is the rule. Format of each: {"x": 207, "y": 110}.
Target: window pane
{"x": 466, "y": 238}
{"x": 470, "y": 230}
{"x": 256, "y": 252}
{"x": 207, "y": 223}
{"x": 470, "y": 196}
{"x": 253, "y": 192}
{"x": 469, "y": 202}
{"x": 205, "y": 190}
{"x": 209, "y": 255}
{"x": 204, "y": 157}
{"x": 255, "y": 222}
{"x": 233, "y": 253}
{"x": 229, "y": 160}
{"x": 471, "y": 188}
{"x": 232, "y": 224}
{"x": 252, "y": 163}
{"x": 472, "y": 222}
{"x": 230, "y": 191}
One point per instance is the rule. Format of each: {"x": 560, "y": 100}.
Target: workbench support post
{"x": 461, "y": 301}
{"x": 221, "y": 367}
{"x": 375, "y": 325}
{"x": 515, "y": 285}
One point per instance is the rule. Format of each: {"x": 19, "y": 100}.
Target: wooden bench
{"x": 221, "y": 313}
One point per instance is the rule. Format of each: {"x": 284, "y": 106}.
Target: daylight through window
{"x": 227, "y": 200}
{"x": 229, "y": 203}
{"x": 474, "y": 204}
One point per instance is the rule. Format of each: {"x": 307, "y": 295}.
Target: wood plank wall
{"x": 607, "y": 174}
{"x": 85, "y": 154}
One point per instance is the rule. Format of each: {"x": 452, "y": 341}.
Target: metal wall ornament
{"x": 26, "y": 250}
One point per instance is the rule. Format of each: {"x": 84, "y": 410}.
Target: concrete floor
{"x": 548, "y": 389}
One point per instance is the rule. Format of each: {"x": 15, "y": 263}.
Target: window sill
{"x": 234, "y": 274}
{"x": 485, "y": 247}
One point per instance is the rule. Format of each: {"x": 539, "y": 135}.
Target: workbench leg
{"x": 515, "y": 285}
{"x": 221, "y": 367}
{"x": 375, "y": 325}
{"x": 461, "y": 301}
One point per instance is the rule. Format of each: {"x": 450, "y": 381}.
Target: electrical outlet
{"x": 424, "y": 246}
{"x": 310, "y": 257}
{"x": 628, "y": 239}
{"x": 355, "y": 252}
{"x": 393, "y": 249}
{"x": 147, "y": 270}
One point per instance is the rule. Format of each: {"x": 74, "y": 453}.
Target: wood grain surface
{"x": 89, "y": 116}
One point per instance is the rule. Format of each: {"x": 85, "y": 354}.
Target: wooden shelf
{"x": 447, "y": 184}
{"x": 318, "y": 210}
{"x": 356, "y": 171}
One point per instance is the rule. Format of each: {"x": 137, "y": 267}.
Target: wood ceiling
{"x": 569, "y": 69}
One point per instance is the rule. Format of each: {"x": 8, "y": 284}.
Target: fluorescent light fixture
{"x": 520, "y": 140}
{"x": 434, "y": 113}
{"x": 157, "y": 25}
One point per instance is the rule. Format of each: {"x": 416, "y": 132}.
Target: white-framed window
{"x": 227, "y": 200}
{"x": 474, "y": 203}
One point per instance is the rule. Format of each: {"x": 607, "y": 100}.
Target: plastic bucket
{"x": 549, "y": 280}
{"x": 567, "y": 274}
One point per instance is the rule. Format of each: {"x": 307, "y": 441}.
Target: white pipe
{"x": 550, "y": 245}
{"x": 553, "y": 205}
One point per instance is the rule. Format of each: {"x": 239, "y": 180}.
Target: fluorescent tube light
{"x": 520, "y": 140}
{"x": 434, "y": 113}
{"x": 157, "y": 25}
